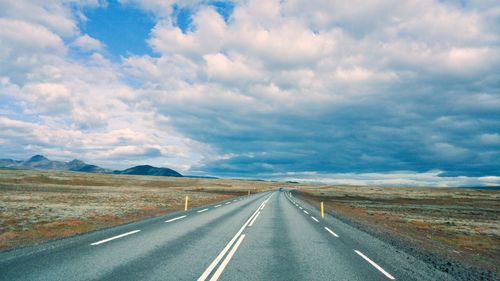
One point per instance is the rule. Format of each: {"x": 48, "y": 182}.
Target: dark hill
{"x": 37, "y": 159}
{"x": 147, "y": 170}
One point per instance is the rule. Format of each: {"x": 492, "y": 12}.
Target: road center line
{"x": 201, "y": 211}
{"x": 254, "y": 218}
{"x": 218, "y": 206}
{"x": 314, "y": 219}
{"x": 300, "y": 208}
{"x": 214, "y": 263}
{"x": 306, "y": 212}
{"x": 227, "y": 259}
{"x": 228, "y": 203}
{"x": 174, "y": 219}
{"x": 375, "y": 265}
{"x": 331, "y": 232}
{"x": 115, "y": 237}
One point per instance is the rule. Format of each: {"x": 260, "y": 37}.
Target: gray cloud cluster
{"x": 289, "y": 86}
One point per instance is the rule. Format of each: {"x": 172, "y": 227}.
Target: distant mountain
{"x": 75, "y": 164}
{"x": 40, "y": 162}
{"x": 9, "y": 164}
{"x": 80, "y": 166}
{"x": 147, "y": 170}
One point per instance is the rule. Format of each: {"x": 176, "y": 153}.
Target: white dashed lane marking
{"x": 331, "y": 232}
{"x": 174, "y": 219}
{"x": 115, "y": 237}
{"x": 375, "y": 265}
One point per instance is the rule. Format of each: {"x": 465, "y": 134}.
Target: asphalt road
{"x": 266, "y": 236}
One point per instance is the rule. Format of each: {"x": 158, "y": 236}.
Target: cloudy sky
{"x": 379, "y": 92}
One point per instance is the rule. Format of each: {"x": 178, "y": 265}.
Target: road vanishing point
{"x": 265, "y": 236}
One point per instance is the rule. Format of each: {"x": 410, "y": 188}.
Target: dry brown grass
{"x": 463, "y": 223}
{"x": 36, "y": 206}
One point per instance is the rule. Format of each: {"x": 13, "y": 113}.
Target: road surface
{"x": 266, "y": 236}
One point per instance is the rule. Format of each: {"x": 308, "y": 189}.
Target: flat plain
{"x": 459, "y": 226}
{"x": 37, "y": 206}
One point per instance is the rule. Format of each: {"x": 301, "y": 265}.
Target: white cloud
{"x": 48, "y": 98}
{"x": 14, "y": 32}
{"x": 469, "y": 59}
{"x": 490, "y": 138}
{"x": 285, "y": 45}
{"x": 161, "y": 8}
{"x": 221, "y": 67}
{"x": 360, "y": 74}
{"x": 396, "y": 178}
{"x": 206, "y": 37}
{"x": 490, "y": 180}
{"x": 87, "y": 43}
{"x": 54, "y": 15}
{"x": 18, "y": 53}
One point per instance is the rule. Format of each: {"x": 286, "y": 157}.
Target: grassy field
{"x": 451, "y": 222}
{"x": 36, "y": 206}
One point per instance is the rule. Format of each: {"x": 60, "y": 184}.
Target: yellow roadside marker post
{"x": 322, "y": 211}
{"x": 186, "y": 204}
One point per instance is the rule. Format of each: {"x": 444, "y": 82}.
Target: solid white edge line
{"x": 227, "y": 259}
{"x": 314, "y": 219}
{"x": 217, "y": 259}
{"x": 218, "y": 206}
{"x": 174, "y": 219}
{"x": 201, "y": 211}
{"x": 254, "y": 218}
{"x": 114, "y": 237}
{"x": 331, "y": 232}
{"x": 375, "y": 265}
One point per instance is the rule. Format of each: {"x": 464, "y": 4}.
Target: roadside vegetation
{"x": 36, "y": 206}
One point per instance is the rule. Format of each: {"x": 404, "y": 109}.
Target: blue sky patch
{"x": 182, "y": 16}
{"x": 123, "y": 29}
{"x": 224, "y": 8}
